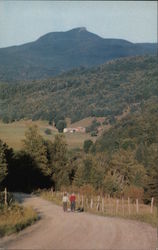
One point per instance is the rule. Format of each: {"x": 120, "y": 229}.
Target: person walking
{"x": 65, "y": 201}
{"x": 73, "y": 202}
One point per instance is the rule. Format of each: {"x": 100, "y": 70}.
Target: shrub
{"x": 48, "y": 131}
{"x": 94, "y": 133}
{"x": 10, "y": 199}
{"x": 87, "y": 145}
{"x": 134, "y": 192}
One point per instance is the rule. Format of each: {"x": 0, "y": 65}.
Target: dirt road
{"x": 59, "y": 230}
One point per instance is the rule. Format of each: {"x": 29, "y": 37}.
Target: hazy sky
{"x": 24, "y": 21}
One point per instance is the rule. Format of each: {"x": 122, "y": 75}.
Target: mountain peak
{"x": 79, "y": 29}
{"x": 57, "y": 52}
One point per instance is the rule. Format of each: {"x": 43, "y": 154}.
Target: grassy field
{"x": 15, "y": 218}
{"x": 14, "y": 133}
{"x": 86, "y": 122}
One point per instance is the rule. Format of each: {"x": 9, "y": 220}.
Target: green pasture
{"x": 14, "y": 133}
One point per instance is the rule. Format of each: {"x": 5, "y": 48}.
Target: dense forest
{"x": 105, "y": 90}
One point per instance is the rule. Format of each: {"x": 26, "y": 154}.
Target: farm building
{"x": 75, "y": 130}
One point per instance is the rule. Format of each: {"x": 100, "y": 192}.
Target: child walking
{"x": 73, "y": 202}
{"x": 65, "y": 201}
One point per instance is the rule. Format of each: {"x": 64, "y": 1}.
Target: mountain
{"x": 58, "y": 52}
{"x": 106, "y": 90}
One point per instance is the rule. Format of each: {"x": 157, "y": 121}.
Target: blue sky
{"x": 25, "y": 21}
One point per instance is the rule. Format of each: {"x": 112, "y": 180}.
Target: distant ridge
{"x": 58, "y": 52}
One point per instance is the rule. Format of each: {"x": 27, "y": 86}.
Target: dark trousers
{"x": 65, "y": 206}
{"x": 73, "y": 205}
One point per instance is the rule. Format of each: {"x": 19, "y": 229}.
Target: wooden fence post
{"x": 5, "y": 196}
{"x": 87, "y": 202}
{"x": 123, "y": 207}
{"x": 52, "y": 191}
{"x": 102, "y": 204}
{"x": 137, "y": 206}
{"x": 78, "y": 199}
{"x": 98, "y": 203}
{"x": 91, "y": 205}
{"x": 152, "y": 203}
{"x": 82, "y": 201}
{"x": 129, "y": 208}
{"x": 117, "y": 205}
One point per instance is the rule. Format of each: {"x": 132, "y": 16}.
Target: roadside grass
{"x": 151, "y": 219}
{"x": 14, "y": 218}
{"x": 49, "y": 196}
{"x": 109, "y": 210}
{"x": 14, "y": 134}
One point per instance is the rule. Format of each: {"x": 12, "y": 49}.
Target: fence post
{"x": 129, "y": 208}
{"x": 117, "y": 204}
{"x": 5, "y": 196}
{"x": 123, "y": 207}
{"x": 91, "y": 205}
{"x": 87, "y": 202}
{"x": 98, "y": 203}
{"x": 52, "y": 191}
{"x": 102, "y": 204}
{"x": 82, "y": 201}
{"x": 152, "y": 203}
{"x": 78, "y": 199}
{"x": 137, "y": 206}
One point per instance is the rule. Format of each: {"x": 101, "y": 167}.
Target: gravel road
{"x": 62, "y": 231}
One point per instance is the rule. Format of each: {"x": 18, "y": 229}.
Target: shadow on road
{"x": 21, "y": 197}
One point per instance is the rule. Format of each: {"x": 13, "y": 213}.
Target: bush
{"x": 93, "y": 127}
{"x": 87, "y": 190}
{"x": 87, "y": 145}
{"x": 94, "y": 133}
{"x": 61, "y": 124}
{"x": 48, "y": 131}
{"x": 14, "y": 218}
{"x": 128, "y": 144}
{"x": 5, "y": 119}
{"x": 10, "y": 199}
{"x": 134, "y": 192}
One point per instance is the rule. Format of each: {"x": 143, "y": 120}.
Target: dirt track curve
{"x": 59, "y": 230}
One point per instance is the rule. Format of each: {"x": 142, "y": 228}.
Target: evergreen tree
{"x": 61, "y": 124}
{"x": 3, "y": 163}
{"x": 58, "y": 161}
{"x": 87, "y": 145}
{"x": 97, "y": 173}
{"x": 152, "y": 181}
{"x": 78, "y": 179}
{"x": 35, "y": 147}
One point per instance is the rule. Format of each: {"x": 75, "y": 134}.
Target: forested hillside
{"x": 106, "y": 91}
{"x": 137, "y": 128}
{"x": 132, "y": 142}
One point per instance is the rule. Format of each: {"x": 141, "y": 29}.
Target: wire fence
{"x": 108, "y": 205}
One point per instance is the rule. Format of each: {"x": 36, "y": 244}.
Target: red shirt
{"x": 72, "y": 198}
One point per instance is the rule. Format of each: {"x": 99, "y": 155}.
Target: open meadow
{"x": 14, "y": 134}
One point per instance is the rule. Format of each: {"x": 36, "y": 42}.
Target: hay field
{"x": 14, "y": 133}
